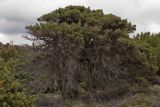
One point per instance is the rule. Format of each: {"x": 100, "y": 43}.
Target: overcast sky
{"x": 16, "y": 14}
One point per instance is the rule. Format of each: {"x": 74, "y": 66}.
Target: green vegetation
{"x": 12, "y": 94}
{"x": 85, "y": 59}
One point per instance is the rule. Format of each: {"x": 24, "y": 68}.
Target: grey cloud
{"x": 143, "y": 13}
{"x": 15, "y": 14}
{"x": 11, "y": 26}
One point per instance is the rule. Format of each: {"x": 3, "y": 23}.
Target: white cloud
{"x": 3, "y": 38}
{"x": 154, "y": 27}
{"x": 15, "y": 38}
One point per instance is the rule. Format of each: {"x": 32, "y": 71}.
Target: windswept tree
{"x": 91, "y": 52}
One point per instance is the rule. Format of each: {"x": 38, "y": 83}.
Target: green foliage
{"x": 90, "y": 54}
{"x": 150, "y": 44}
{"x": 12, "y": 94}
{"x": 84, "y": 55}
{"x": 86, "y": 20}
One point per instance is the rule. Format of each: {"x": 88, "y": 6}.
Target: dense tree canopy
{"x": 84, "y": 57}
{"x": 81, "y": 22}
{"x": 91, "y": 52}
